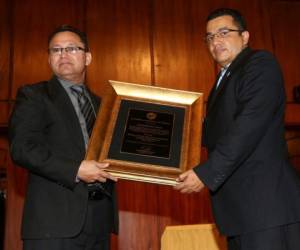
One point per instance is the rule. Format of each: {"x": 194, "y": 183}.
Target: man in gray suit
{"x": 70, "y": 202}
{"x": 255, "y": 193}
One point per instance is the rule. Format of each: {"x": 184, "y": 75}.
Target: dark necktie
{"x": 85, "y": 106}
{"x": 220, "y": 76}
{"x": 89, "y": 115}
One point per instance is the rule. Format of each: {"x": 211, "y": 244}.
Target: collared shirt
{"x": 67, "y": 86}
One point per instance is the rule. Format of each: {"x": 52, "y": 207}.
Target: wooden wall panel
{"x": 34, "y": 20}
{"x": 286, "y": 38}
{"x": 146, "y": 209}
{"x": 292, "y": 115}
{"x": 3, "y": 185}
{"x": 5, "y": 36}
{"x": 181, "y": 59}
{"x": 138, "y": 203}
{"x": 182, "y": 209}
{"x": 286, "y": 35}
{"x": 5, "y": 107}
{"x": 4, "y": 49}
{"x": 16, "y": 188}
{"x": 119, "y": 39}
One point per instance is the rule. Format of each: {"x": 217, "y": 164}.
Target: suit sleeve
{"x": 260, "y": 97}
{"x": 28, "y": 144}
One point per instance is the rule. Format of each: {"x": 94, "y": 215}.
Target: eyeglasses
{"x": 220, "y": 34}
{"x": 68, "y": 50}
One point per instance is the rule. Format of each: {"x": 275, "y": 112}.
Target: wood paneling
{"x": 3, "y": 185}
{"x": 4, "y": 49}
{"x": 286, "y": 36}
{"x": 5, "y": 37}
{"x": 146, "y": 209}
{"x": 292, "y": 115}
{"x": 138, "y": 216}
{"x": 181, "y": 58}
{"x": 119, "y": 39}
{"x": 4, "y": 112}
{"x": 16, "y": 188}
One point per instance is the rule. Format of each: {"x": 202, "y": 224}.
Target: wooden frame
{"x": 147, "y": 133}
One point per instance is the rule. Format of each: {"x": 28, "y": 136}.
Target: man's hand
{"x": 188, "y": 182}
{"x": 92, "y": 171}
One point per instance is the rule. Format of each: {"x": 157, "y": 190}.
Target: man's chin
{"x": 65, "y": 75}
{"x": 65, "y": 71}
{"x": 221, "y": 60}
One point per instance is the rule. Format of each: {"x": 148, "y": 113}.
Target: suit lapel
{"x": 236, "y": 64}
{"x": 65, "y": 107}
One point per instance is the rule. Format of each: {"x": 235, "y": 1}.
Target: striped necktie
{"x": 85, "y": 106}
{"x": 89, "y": 114}
{"x": 220, "y": 76}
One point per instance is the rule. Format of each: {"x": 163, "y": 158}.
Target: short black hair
{"x": 69, "y": 28}
{"x": 235, "y": 14}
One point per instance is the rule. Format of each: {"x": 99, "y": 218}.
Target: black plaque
{"x": 148, "y": 133}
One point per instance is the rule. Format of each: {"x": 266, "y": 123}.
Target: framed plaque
{"x": 147, "y": 133}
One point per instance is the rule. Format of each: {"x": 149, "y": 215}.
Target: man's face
{"x": 67, "y": 65}
{"x": 225, "y": 48}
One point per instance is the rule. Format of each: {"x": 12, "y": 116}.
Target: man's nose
{"x": 63, "y": 53}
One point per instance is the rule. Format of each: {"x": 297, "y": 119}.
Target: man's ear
{"x": 88, "y": 58}
{"x": 246, "y": 36}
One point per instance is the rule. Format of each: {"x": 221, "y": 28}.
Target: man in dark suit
{"x": 255, "y": 192}
{"x": 70, "y": 202}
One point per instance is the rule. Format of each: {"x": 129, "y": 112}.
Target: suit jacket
{"x": 251, "y": 182}
{"x": 46, "y": 139}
